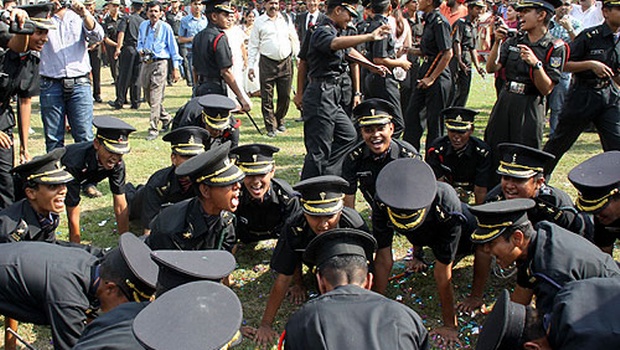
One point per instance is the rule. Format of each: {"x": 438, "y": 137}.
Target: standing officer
{"x": 36, "y": 217}
{"x": 328, "y": 131}
{"x": 128, "y": 58}
{"x": 533, "y": 62}
{"x": 459, "y": 158}
{"x": 213, "y": 67}
{"x": 19, "y": 75}
{"x": 428, "y": 213}
{"x": 383, "y": 52}
{"x": 348, "y": 315}
{"x": 211, "y": 112}
{"x": 363, "y": 164}
{"x": 598, "y": 182}
{"x": 63, "y": 287}
{"x": 207, "y": 220}
{"x": 464, "y": 37}
{"x": 111, "y": 21}
{"x": 433, "y": 81}
{"x": 94, "y": 52}
{"x": 322, "y": 210}
{"x": 595, "y": 60}
{"x": 547, "y": 255}
{"x": 265, "y": 202}
{"x": 164, "y": 187}
{"x": 173, "y": 17}
{"x": 91, "y": 162}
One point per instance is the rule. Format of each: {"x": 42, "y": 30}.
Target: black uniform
{"x": 162, "y": 189}
{"x": 556, "y": 256}
{"x": 463, "y": 169}
{"x": 464, "y": 34}
{"x": 81, "y": 161}
{"x": 328, "y": 131}
{"x": 364, "y": 166}
{"x": 383, "y": 87}
{"x": 129, "y": 61}
{"x": 174, "y": 19}
{"x": 47, "y": 284}
{"x": 553, "y": 205}
{"x": 185, "y": 226}
{"x": 518, "y": 114}
{"x": 606, "y": 235}
{"x": 19, "y": 75}
{"x": 110, "y": 28}
{"x": 217, "y": 55}
{"x": 259, "y": 220}
{"x": 350, "y": 317}
{"x": 591, "y": 99}
{"x": 190, "y": 114}
{"x": 441, "y": 229}
{"x": 112, "y": 330}
{"x": 296, "y": 235}
{"x": 20, "y": 222}
{"x": 408, "y": 85}
{"x": 435, "y": 40}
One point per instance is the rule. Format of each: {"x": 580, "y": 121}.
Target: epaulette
{"x": 161, "y": 190}
{"x": 20, "y": 231}
{"x": 285, "y": 190}
{"x": 357, "y": 152}
{"x": 558, "y": 43}
{"x": 407, "y": 150}
{"x": 227, "y": 218}
{"x": 481, "y": 151}
{"x": 592, "y": 32}
{"x": 442, "y": 214}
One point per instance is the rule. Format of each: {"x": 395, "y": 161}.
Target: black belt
{"x": 77, "y": 80}
{"x": 593, "y": 83}
{"x": 205, "y": 79}
{"x": 333, "y": 80}
{"x": 521, "y": 88}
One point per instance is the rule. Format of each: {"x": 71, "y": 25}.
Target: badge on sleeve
{"x": 555, "y": 62}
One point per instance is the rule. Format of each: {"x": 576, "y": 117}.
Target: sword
{"x": 251, "y": 119}
{"x": 22, "y": 340}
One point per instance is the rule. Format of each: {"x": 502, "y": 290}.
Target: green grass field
{"x": 253, "y": 277}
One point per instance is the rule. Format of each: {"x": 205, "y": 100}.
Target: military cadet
{"x": 329, "y": 133}
{"x": 547, "y": 256}
{"x": 414, "y": 20}
{"x": 583, "y": 316}
{"x": 113, "y": 330}
{"x": 383, "y": 52}
{"x": 207, "y": 220}
{"x": 533, "y": 62}
{"x": 213, "y": 68}
{"x": 92, "y": 162}
{"x": 211, "y": 112}
{"x": 128, "y": 58}
{"x": 111, "y": 21}
{"x": 62, "y": 287}
{"x": 164, "y": 187}
{"x": 464, "y": 37}
{"x": 19, "y": 75}
{"x": 348, "y": 315}
{"x": 36, "y": 217}
{"x": 433, "y": 80}
{"x": 265, "y": 201}
{"x": 428, "y": 213}
{"x": 460, "y": 159}
{"x": 322, "y": 209}
{"x": 594, "y": 98}
{"x": 208, "y": 314}
{"x": 363, "y": 163}
{"x": 521, "y": 168}
{"x": 598, "y": 182}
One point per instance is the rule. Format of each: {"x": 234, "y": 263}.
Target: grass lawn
{"x": 253, "y": 277}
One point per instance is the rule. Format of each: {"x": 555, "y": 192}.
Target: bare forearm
{"x": 25, "y": 110}
{"x": 388, "y": 62}
{"x": 73, "y": 216}
{"x": 344, "y": 42}
{"x": 185, "y": 39}
{"x": 443, "y": 278}
{"x": 19, "y": 43}
{"x": 276, "y": 296}
{"x": 349, "y": 201}
{"x": 121, "y": 213}
{"x": 479, "y": 194}
{"x": 542, "y": 82}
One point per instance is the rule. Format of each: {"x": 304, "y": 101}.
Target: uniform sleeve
{"x": 504, "y": 51}
{"x": 157, "y": 239}
{"x": 554, "y": 65}
{"x": 284, "y": 259}
{"x": 321, "y": 39}
{"x": 457, "y": 31}
{"x": 578, "y": 47}
{"x": 117, "y": 179}
{"x": 151, "y": 204}
{"x": 447, "y": 243}
{"x": 483, "y": 169}
{"x": 303, "y": 51}
{"x": 30, "y": 89}
{"x": 223, "y": 54}
{"x": 434, "y": 159}
{"x": 379, "y": 48}
{"x": 73, "y": 194}
{"x": 349, "y": 174}
{"x": 381, "y": 230}
{"x": 122, "y": 24}
{"x": 442, "y": 36}
{"x": 67, "y": 323}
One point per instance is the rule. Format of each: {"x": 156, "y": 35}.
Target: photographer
{"x": 19, "y": 75}
{"x": 533, "y": 60}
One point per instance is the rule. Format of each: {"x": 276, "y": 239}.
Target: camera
{"x": 512, "y": 32}
{"x": 146, "y": 56}
{"x": 27, "y": 28}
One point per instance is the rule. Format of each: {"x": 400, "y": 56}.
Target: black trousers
{"x": 387, "y": 89}
{"x": 95, "y": 63}
{"x": 7, "y": 194}
{"x": 462, "y": 86}
{"x": 329, "y": 133}
{"x": 129, "y": 75}
{"x": 109, "y": 51}
{"x": 582, "y": 106}
{"x": 279, "y": 75}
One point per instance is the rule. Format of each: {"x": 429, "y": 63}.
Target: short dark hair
{"x": 548, "y": 16}
{"x": 109, "y": 272}
{"x": 437, "y": 3}
{"x": 151, "y": 4}
{"x": 526, "y": 228}
{"x": 379, "y": 6}
{"x": 344, "y": 269}
{"x": 534, "y": 327}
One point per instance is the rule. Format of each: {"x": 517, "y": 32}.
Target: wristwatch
{"x": 538, "y": 65}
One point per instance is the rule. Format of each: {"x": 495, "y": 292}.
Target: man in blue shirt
{"x": 190, "y": 26}
{"x": 156, "y": 45}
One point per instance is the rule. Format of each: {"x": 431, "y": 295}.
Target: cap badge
{"x": 255, "y": 157}
{"x": 459, "y": 119}
{"x": 227, "y": 162}
{"x": 58, "y": 165}
{"x": 514, "y": 158}
{"x": 187, "y": 235}
{"x": 322, "y": 195}
{"x": 372, "y": 111}
{"x": 191, "y": 140}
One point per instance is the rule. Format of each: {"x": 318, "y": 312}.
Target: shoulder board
{"x": 406, "y": 149}
{"x": 558, "y": 43}
{"x": 592, "y": 32}
{"x": 352, "y": 217}
{"x": 285, "y": 188}
{"x": 357, "y": 152}
{"x": 481, "y": 151}
{"x": 161, "y": 190}
{"x": 441, "y": 213}
{"x": 20, "y": 231}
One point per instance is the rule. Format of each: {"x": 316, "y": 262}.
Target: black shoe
{"x": 98, "y": 99}
{"x": 142, "y": 100}
{"x": 165, "y": 126}
{"x": 135, "y": 106}
{"x": 114, "y": 105}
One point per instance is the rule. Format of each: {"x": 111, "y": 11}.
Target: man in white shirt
{"x": 588, "y": 12}
{"x": 274, "y": 39}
